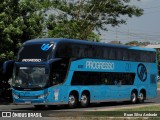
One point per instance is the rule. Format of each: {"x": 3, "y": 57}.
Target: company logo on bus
{"x": 142, "y": 72}
{"x": 99, "y": 65}
{"x": 46, "y": 47}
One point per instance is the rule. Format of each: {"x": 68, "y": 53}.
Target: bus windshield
{"x": 35, "y": 52}
{"x": 30, "y": 77}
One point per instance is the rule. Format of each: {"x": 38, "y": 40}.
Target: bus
{"x": 58, "y": 71}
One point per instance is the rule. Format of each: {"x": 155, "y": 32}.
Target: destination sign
{"x": 31, "y": 60}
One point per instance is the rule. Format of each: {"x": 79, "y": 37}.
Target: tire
{"x": 73, "y": 101}
{"x": 39, "y": 107}
{"x": 141, "y": 97}
{"x": 133, "y": 97}
{"x": 85, "y": 100}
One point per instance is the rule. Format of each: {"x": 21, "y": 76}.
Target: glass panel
{"x": 30, "y": 77}
{"x": 35, "y": 52}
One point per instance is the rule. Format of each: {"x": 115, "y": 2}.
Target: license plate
{"x": 28, "y": 102}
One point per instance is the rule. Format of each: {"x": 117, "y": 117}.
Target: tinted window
{"x": 63, "y": 50}
{"x": 97, "y": 78}
{"x": 74, "y": 50}
{"x": 35, "y": 51}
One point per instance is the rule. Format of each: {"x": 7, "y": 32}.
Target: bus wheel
{"x": 133, "y": 98}
{"x": 84, "y": 100}
{"x": 39, "y": 107}
{"x": 73, "y": 101}
{"x": 141, "y": 97}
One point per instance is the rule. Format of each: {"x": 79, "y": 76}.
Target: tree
{"x": 80, "y": 18}
{"x": 20, "y": 20}
{"x": 136, "y": 43}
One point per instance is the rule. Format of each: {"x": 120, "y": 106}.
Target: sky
{"x": 145, "y": 28}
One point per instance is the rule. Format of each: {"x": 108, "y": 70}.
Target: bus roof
{"x": 61, "y": 40}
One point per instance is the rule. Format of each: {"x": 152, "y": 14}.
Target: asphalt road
{"x": 93, "y": 107}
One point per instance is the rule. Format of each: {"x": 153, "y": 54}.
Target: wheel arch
{"x": 135, "y": 90}
{"x": 86, "y": 92}
{"x": 75, "y": 92}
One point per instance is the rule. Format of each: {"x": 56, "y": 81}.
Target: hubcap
{"x": 71, "y": 99}
{"x": 84, "y": 99}
{"x": 141, "y": 96}
{"x": 133, "y": 97}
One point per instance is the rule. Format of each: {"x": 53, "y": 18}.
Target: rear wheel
{"x": 141, "y": 97}
{"x": 133, "y": 97}
{"x": 84, "y": 100}
{"x": 73, "y": 101}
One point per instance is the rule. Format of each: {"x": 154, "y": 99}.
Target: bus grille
{"x": 28, "y": 97}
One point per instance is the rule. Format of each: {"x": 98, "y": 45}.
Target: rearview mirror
{"x": 8, "y": 68}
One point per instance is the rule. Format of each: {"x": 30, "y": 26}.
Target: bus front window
{"x": 30, "y": 77}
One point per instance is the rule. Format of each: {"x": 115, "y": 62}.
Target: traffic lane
{"x": 107, "y": 105}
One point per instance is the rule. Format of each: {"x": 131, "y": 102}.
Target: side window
{"x": 125, "y": 54}
{"x": 63, "y": 50}
{"x": 77, "y": 79}
{"x": 132, "y": 55}
{"x": 108, "y": 78}
{"x": 112, "y": 54}
{"x": 106, "y": 53}
{"x": 119, "y": 54}
{"x": 90, "y": 52}
{"x": 74, "y": 51}
{"x": 153, "y": 56}
{"x": 95, "y": 78}
{"x": 59, "y": 71}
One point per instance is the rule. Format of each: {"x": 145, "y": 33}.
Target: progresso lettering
{"x": 31, "y": 60}
{"x": 100, "y": 65}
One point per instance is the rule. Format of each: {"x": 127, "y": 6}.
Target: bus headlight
{"x": 43, "y": 96}
{"x": 15, "y": 96}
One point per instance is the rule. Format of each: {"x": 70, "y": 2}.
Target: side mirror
{"x": 8, "y": 68}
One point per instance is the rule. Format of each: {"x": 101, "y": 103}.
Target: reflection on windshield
{"x": 30, "y": 77}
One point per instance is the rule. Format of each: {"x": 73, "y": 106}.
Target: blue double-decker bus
{"x": 54, "y": 71}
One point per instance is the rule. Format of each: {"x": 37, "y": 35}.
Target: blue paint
{"x": 46, "y": 47}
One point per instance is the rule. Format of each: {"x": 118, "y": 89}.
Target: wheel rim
{"x": 141, "y": 96}
{"x": 84, "y": 99}
{"x": 72, "y": 100}
{"x": 134, "y": 97}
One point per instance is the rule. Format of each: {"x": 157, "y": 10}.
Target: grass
{"x": 131, "y": 111}
{"x": 147, "y": 108}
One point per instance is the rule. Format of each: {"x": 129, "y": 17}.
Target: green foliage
{"x": 79, "y": 18}
{"x": 20, "y": 20}
{"x": 136, "y": 43}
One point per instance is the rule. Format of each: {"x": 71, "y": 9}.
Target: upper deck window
{"x": 35, "y": 52}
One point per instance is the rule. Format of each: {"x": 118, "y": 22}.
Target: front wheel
{"x": 133, "y": 97}
{"x": 84, "y": 100}
{"x": 73, "y": 101}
